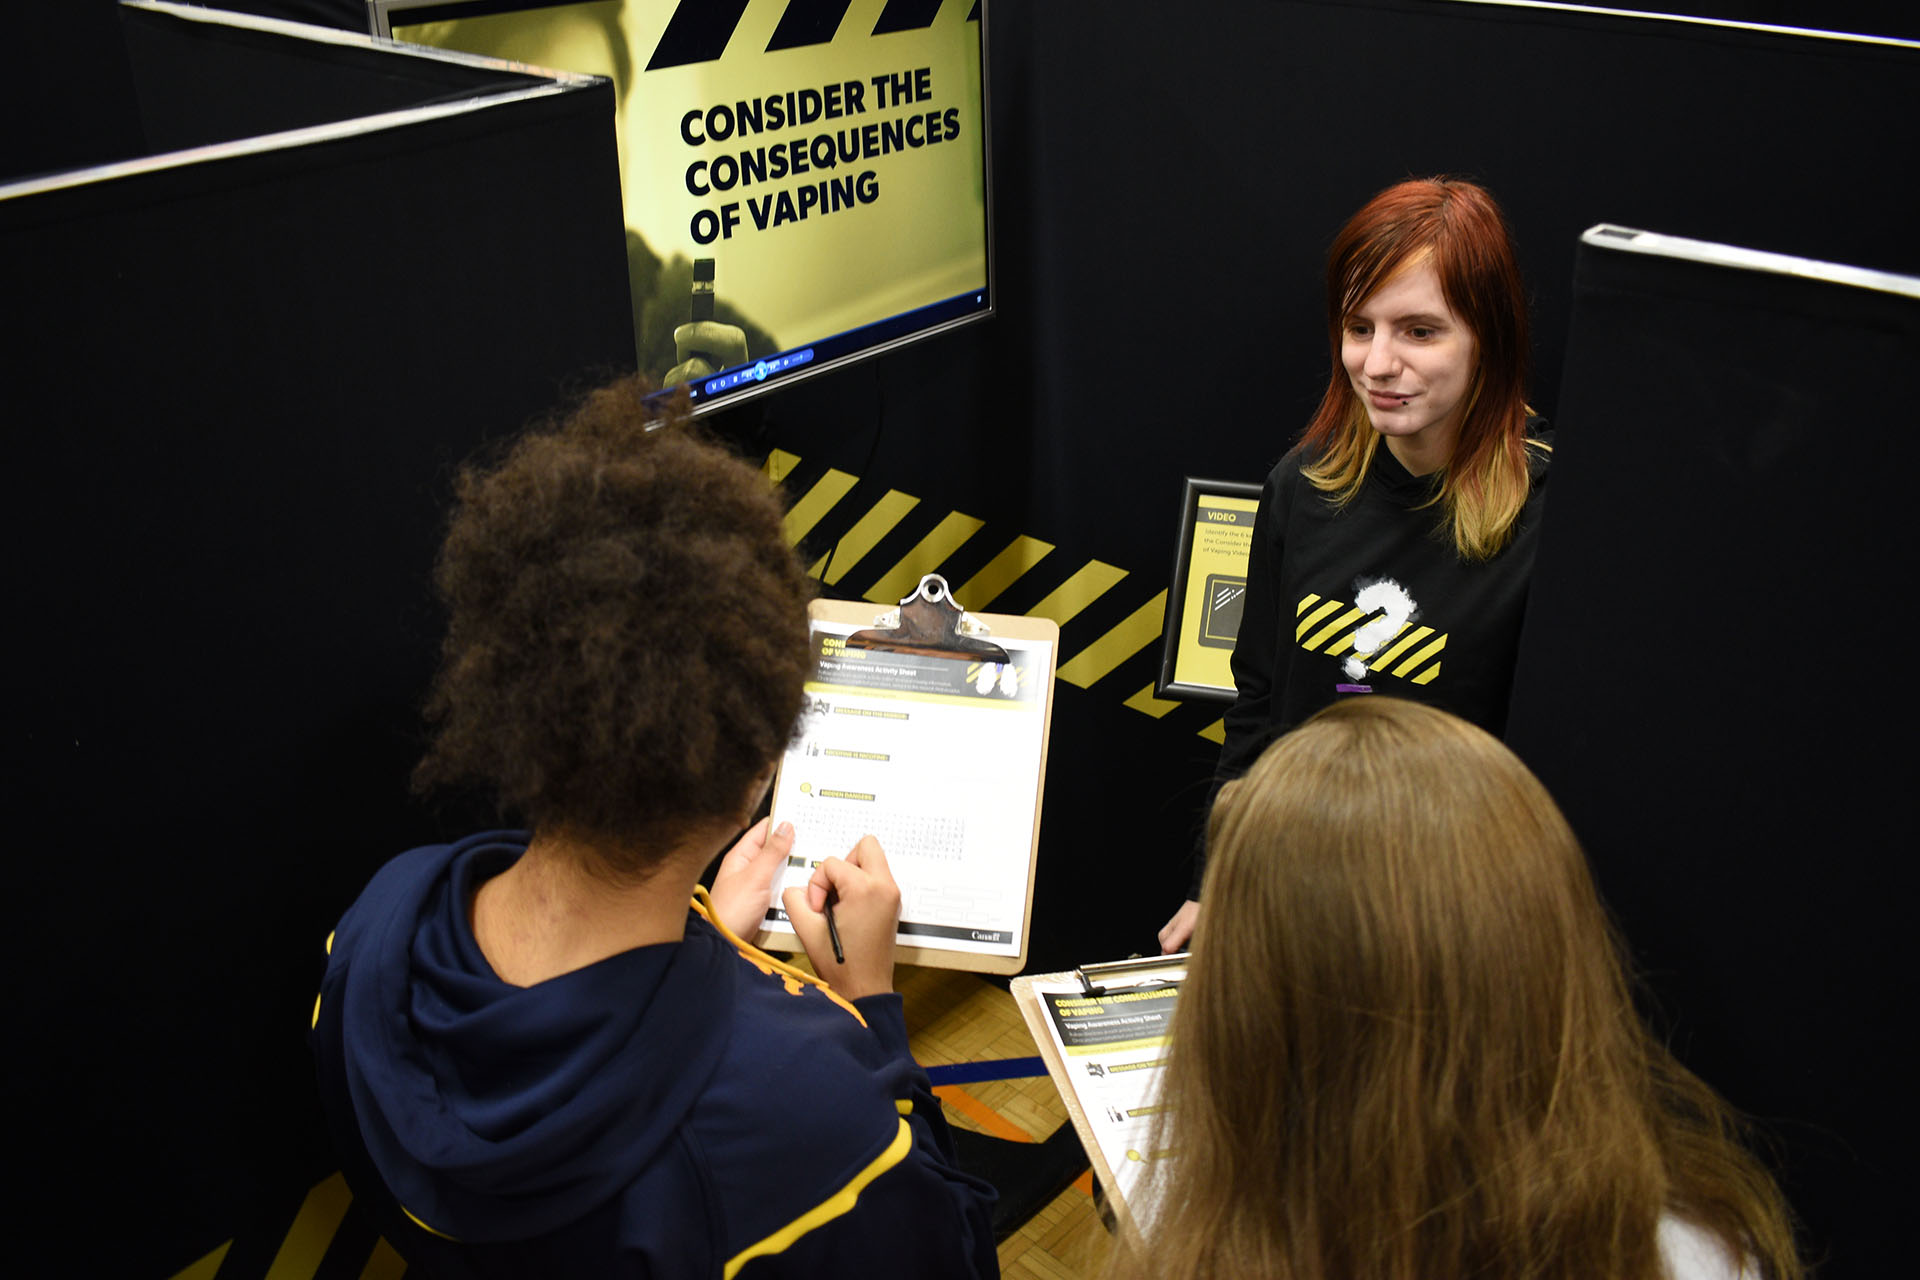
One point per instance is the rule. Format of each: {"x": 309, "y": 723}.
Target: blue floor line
{"x": 998, "y": 1069}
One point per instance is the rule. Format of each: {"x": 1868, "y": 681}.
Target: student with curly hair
{"x": 1406, "y": 1047}
{"x": 545, "y": 1052}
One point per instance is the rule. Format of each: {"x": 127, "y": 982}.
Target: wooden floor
{"x": 961, "y": 1017}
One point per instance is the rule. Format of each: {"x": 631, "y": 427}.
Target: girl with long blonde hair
{"x": 1406, "y": 1048}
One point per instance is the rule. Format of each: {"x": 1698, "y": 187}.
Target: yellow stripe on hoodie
{"x": 765, "y": 963}
{"x": 827, "y": 1210}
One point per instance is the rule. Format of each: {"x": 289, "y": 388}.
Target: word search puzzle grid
{"x": 936, "y": 757}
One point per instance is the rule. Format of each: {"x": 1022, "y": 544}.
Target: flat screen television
{"x": 804, "y": 185}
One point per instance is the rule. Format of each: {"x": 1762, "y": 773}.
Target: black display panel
{"x": 1707, "y": 688}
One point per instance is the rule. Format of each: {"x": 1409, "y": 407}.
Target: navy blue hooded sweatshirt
{"x": 686, "y": 1109}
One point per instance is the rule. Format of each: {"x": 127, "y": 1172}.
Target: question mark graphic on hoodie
{"x": 1396, "y": 610}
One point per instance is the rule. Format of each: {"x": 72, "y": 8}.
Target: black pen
{"x": 833, "y": 930}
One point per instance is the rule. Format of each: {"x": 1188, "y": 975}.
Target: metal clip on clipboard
{"x": 1138, "y": 974}
{"x": 930, "y": 621}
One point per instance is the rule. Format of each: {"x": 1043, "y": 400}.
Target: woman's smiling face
{"x": 1412, "y": 362}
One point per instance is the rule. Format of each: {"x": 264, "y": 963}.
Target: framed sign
{"x": 1208, "y": 589}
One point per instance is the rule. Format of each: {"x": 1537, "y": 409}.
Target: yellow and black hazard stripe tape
{"x": 700, "y": 30}
{"x": 855, "y": 533}
{"x": 304, "y": 1244}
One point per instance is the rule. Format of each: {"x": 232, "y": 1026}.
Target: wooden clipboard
{"x": 1033, "y": 1008}
{"x": 865, "y": 615}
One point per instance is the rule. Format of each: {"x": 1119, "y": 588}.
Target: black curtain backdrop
{"x": 1706, "y": 684}
{"x": 1163, "y": 198}
{"x": 236, "y": 392}
{"x": 1165, "y": 181}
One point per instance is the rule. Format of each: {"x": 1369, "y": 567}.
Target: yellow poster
{"x": 783, "y": 181}
{"x": 1216, "y": 589}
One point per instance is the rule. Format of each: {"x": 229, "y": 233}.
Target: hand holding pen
{"x": 853, "y": 947}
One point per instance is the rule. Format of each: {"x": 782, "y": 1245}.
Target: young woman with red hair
{"x": 1394, "y": 542}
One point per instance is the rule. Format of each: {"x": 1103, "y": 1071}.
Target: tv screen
{"x": 803, "y": 185}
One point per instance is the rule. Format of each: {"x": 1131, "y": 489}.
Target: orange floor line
{"x": 980, "y": 1113}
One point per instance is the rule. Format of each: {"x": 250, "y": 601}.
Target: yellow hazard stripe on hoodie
{"x": 827, "y": 1210}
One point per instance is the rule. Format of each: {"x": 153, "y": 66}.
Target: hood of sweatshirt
{"x": 1405, "y": 489}
{"x": 496, "y": 1112}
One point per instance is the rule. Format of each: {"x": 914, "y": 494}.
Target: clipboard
{"x": 875, "y": 672}
{"x": 1087, "y": 1093}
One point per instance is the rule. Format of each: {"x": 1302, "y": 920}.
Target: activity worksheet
{"x": 940, "y": 759}
{"x": 1111, "y": 1050}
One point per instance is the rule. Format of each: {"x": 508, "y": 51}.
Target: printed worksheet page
{"x": 1113, "y": 1045}
{"x": 939, "y": 758}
